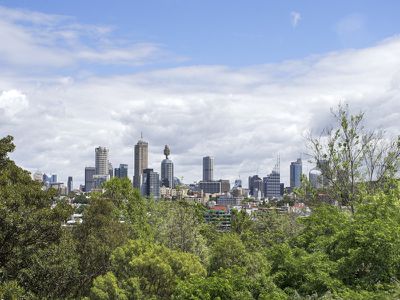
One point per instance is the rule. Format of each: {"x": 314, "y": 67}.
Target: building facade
{"x": 210, "y": 187}
{"x": 101, "y": 161}
{"x": 89, "y": 173}
{"x": 316, "y": 179}
{"x": 225, "y": 185}
{"x": 70, "y": 186}
{"x": 255, "y": 185}
{"x": 150, "y": 184}
{"x": 208, "y": 168}
{"x": 272, "y": 186}
{"x": 141, "y": 162}
{"x": 296, "y": 170}
{"x": 54, "y": 178}
{"x": 98, "y": 181}
{"x": 229, "y": 200}
{"x": 110, "y": 170}
{"x": 122, "y": 171}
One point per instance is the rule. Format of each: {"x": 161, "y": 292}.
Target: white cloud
{"x": 352, "y": 29}
{"x": 350, "y": 24}
{"x": 242, "y": 116}
{"x": 12, "y": 102}
{"x": 36, "y": 39}
{"x": 295, "y": 18}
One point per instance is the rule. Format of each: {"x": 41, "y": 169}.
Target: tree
{"x": 241, "y": 221}
{"x": 99, "y": 234}
{"x": 306, "y": 192}
{"x": 323, "y": 229}
{"x": 54, "y": 270}
{"x": 177, "y": 225}
{"x": 106, "y": 288}
{"x": 295, "y": 270}
{"x": 368, "y": 251}
{"x": 131, "y": 207}
{"x": 271, "y": 227}
{"x": 28, "y": 223}
{"x": 11, "y": 290}
{"x": 381, "y": 159}
{"x": 147, "y": 269}
{"x": 348, "y": 154}
{"x": 228, "y": 251}
{"x": 227, "y": 284}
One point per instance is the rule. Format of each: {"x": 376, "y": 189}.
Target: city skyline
{"x": 242, "y": 93}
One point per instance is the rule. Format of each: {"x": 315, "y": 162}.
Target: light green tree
{"x": 147, "y": 269}
{"x": 348, "y": 155}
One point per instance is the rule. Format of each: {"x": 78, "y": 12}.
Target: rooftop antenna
{"x": 141, "y": 135}
{"x": 277, "y": 167}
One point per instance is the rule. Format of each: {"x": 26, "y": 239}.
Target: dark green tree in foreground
{"x": 30, "y": 232}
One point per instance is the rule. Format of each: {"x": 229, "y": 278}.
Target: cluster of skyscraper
{"x": 149, "y": 182}
{"x": 270, "y": 186}
{"x": 103, "y": 170}
{"x": 208, "y": 184}
{"x": 144, "y": 178}
{"x": 52, "y": 181}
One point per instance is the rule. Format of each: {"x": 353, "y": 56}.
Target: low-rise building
{"x": 220, "y": 216}
{"x": 210, "y": 187}
{"x": 229, "y": 200}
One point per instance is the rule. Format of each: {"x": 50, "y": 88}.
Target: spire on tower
{"x": 167, "y": 151}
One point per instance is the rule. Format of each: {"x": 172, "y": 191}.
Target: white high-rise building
{"x": 101, "y": 160}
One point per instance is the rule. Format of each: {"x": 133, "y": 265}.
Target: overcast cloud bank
{"x": 244, "y": 117}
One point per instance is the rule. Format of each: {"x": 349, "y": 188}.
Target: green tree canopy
{"x": 149, "y": 269}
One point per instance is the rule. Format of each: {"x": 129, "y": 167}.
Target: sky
{"x": 243, "y": 81}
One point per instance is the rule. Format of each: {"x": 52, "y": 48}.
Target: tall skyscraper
{"x": 167, "y": 170}
{"x": 296, "y": 171}
{"x": 151, "y": 184}
{"x": 89, "y": 183}
{"x": 70, "y": 186}
{"x": 141, "y": 161}
{"x": 101, "y": 160}
{"x": 208, "y": 168}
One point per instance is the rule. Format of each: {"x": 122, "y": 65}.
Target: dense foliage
{"x": 128, "y": 247}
